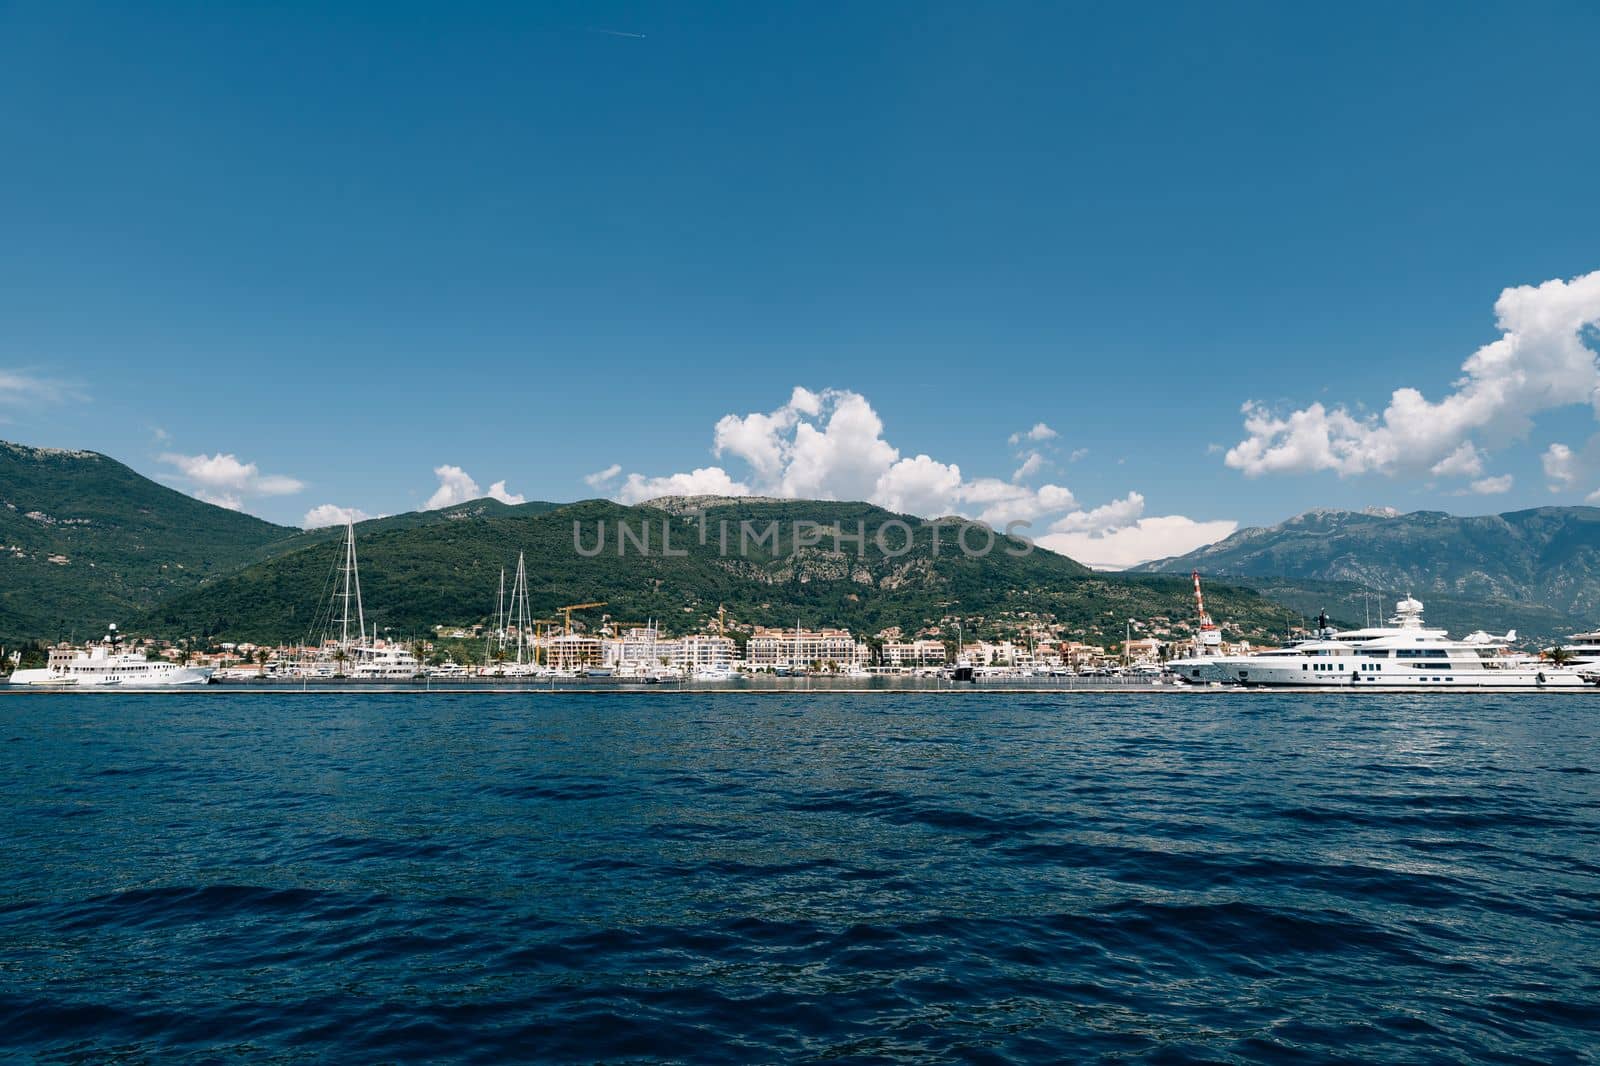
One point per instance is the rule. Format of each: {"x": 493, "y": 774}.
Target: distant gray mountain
{"x": 1546, "y": 558}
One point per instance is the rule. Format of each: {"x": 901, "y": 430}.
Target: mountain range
{"x": 85, "y": 540}
{"x": 90, "y": 541}
{"x": 1539, "y": 568}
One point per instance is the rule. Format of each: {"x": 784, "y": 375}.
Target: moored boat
{"x": 105, "y": 665}
{"x": 1403, "y": 655}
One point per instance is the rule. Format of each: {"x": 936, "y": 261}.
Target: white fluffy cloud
{"x": 1465, "y": 461}
{"x": 706, "y": 481}
{"x": 1569, "y": 469}
{"x": 997, "y": 502}
{"x": 920, "y": 486}
{"x": 498, "y": 491}
{"x": 602, "y": 477}
{"x": 1541, "y": 361}
{"x": 222, "y": 479}
{"x": 1492, "y": 486}
{"x": 457, "y": 486}
{"x": 1560, "y": 466}
{"x": 761, "y": 439}
{"x": 1032, "y": 463}
{"x": 841, "y": 458}
{"x": 1157, "y": 537}
{"x": 1039, "y": 432}
{"x": 1107, "y": 518}
{"x": 328, "y": 514}
{"x": 830, "y": 445}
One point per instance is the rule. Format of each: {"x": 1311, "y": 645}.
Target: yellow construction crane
{"x": 541, "y": 633}
{"x": 617, "y": 628}
{"x": 566, "y": 612}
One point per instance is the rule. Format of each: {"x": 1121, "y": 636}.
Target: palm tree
{"x": 262, "y": 655}
{"x": 1559, "y": 656}
{"x": 340, "y": 656}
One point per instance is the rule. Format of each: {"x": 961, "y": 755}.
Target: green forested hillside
{"x": 416, "y": 576}
{"x": 84, "y": 541}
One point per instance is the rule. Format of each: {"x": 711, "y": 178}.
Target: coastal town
{"x": 645, "y": 652}
{"x": 584, "y": 643}
{"x": 515, "y": 646}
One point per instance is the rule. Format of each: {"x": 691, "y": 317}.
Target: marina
{"x": 523, "y": 653}
{"x": 727, "y": 534}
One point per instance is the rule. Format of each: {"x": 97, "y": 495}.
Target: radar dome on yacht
{"x": 1409, "y": 605}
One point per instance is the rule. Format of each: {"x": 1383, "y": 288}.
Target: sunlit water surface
{"x": 739, "y": 878}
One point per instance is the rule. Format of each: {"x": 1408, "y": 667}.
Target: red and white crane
{"x": 1208, "y": 640}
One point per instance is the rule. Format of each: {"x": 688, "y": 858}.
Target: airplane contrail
{"x": 615, "y": 33}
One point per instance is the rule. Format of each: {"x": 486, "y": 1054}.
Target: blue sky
{"x": 539, "y": 241}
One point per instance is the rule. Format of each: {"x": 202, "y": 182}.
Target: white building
{"x": 804, "y": 649}
{"x": 646, "y": 649}
{"x": 702, "y": 651}
{"x": 914, "y": 653}
{"x": 641, "y": 647}
{"x": 571, "y": 651}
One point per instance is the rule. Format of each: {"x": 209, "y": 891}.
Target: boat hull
{"x": 1247, "y": 674}
{"x": 40, "y": 678}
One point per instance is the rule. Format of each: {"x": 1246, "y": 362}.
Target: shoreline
{"x": 715, "y": 689}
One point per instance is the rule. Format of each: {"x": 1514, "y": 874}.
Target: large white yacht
{"x": 1584, "y": 649}
{"x": 382, "y": 660}
{"x": 1405, "y": 654}
{"x": 106, "y": 665}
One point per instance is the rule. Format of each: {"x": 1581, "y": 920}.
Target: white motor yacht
{"x": 106, "y": 665}
{"x": 1403, "y": 655}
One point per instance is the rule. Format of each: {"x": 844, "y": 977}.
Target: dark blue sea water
{"x": 736, "y": 878}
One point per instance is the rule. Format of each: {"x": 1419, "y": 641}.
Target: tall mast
{"x": 519, "y": 604}
{"x": 355, "y": 576}
{"x": 500, "y": 612}
{"x": 350, "y": 588}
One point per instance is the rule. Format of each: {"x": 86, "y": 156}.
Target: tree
{"x": 340, "y": 656}
{"x": 1559, "y": 656}
{"x": 262, "y": 655}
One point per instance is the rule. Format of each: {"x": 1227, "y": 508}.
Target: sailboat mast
{"x": 519, "y": 606}
{"x": 344, "y": 590}
{"x": 525, "y": 625}
{"x": 355, "y": 576}
{"x": 350, "y": 588}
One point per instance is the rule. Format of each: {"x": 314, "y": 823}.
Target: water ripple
{"x": 739, "y": 879}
